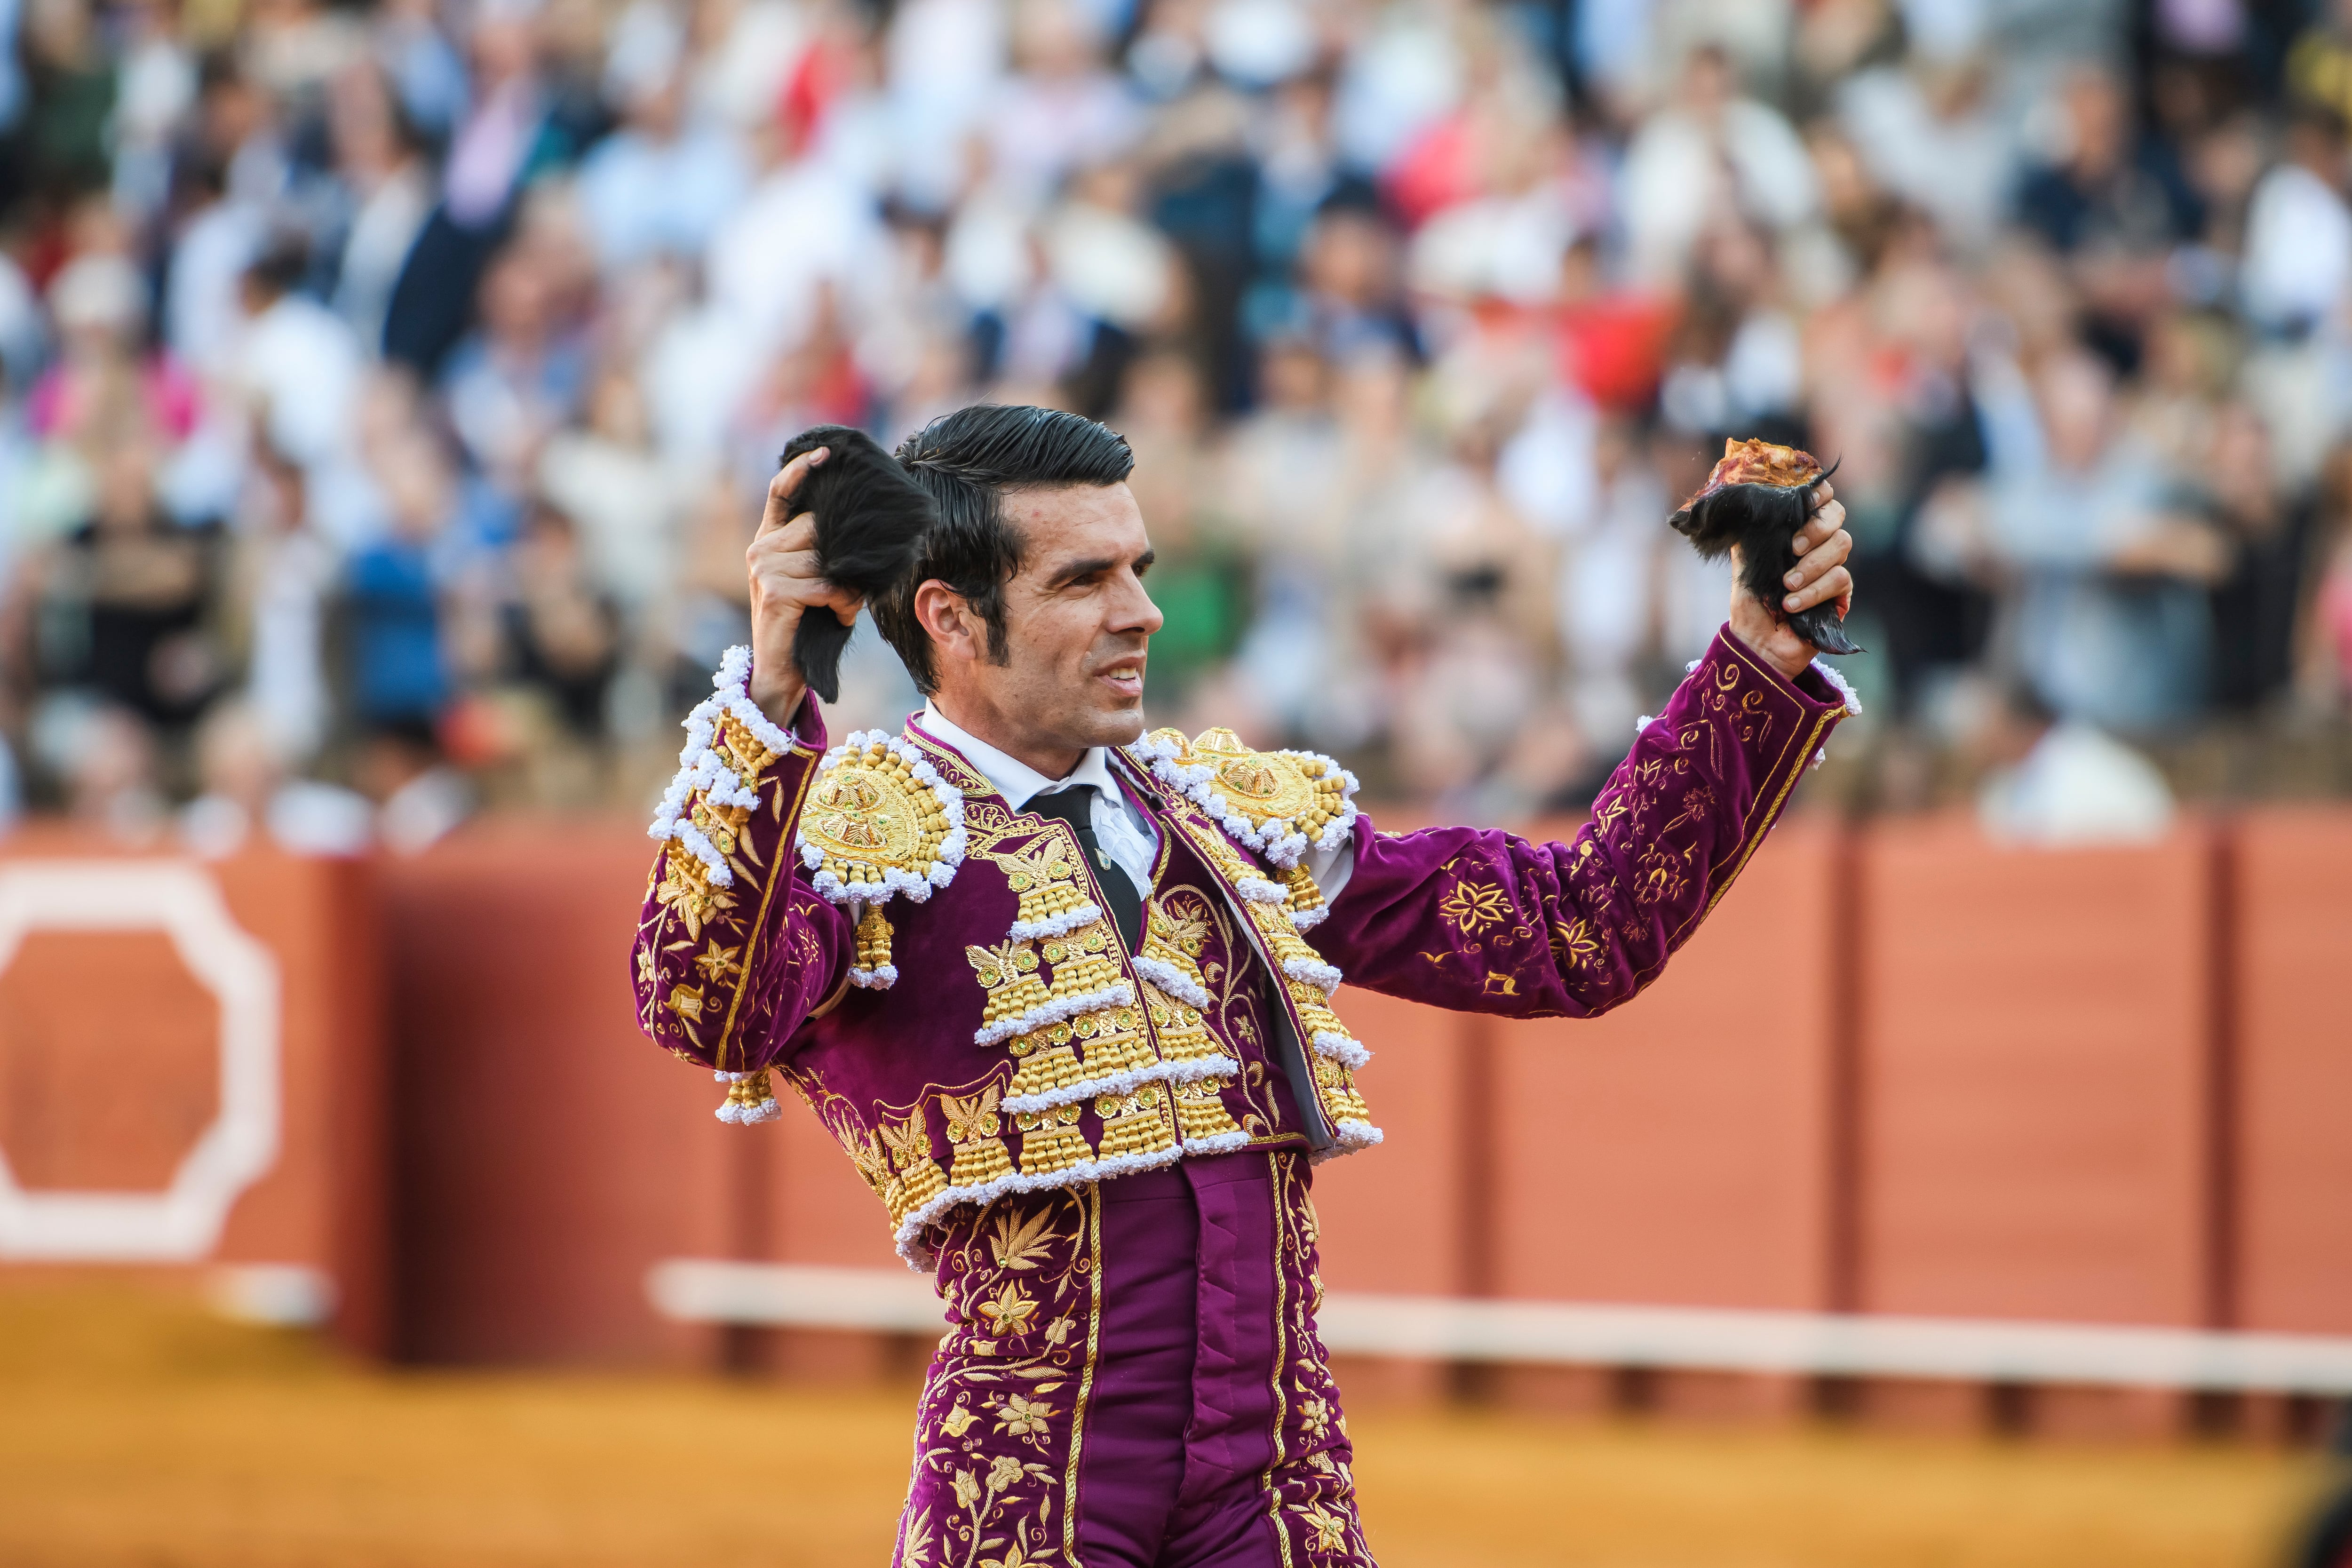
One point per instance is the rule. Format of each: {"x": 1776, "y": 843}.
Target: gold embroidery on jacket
{"x": 972, "y": 1124}
{"x": 1472, "y": 907}
{"x": 1573, "y": 944}
{"x": 1325, "y": 1037}
{"x": 920, "y": 1178}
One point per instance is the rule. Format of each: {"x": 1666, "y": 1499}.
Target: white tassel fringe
{"x": 1121, "y": 995}
{"x": 1345, "y": 1049}
{"x": 700, "y": 767}
{"x": 1062, "y": 925}
{"x": 1838, "y": 683}
{"x": 1172, "y": 981}
{"x": 1315, "y": 971}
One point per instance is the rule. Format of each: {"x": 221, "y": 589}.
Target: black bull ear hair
{"x": 870, "y": 523}
{"x": 1763, "y": 520}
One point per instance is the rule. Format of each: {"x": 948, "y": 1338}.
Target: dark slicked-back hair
{"x": 966, "y": 461}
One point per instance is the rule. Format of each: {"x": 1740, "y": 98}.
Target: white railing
{"x": 1437, "y": 1328}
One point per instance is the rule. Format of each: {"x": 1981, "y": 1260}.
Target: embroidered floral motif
{"x": 1472, "y": 907}
{"x": 1009, "y": 1310}
{"x": 691, "y": 895}
{"x": 1023, "y": 1418}
{"x": 915, "y": 1541}
{"x": 1008, "y": 1391}
{"x": 1660, "y": 873}
{"x": 1313, "y": 1487}
{"x": 864, "y": 1151}
{"x": 1328, "y": 1532}
{"x": 1573, "y": 942}
{"x": 1018, "y": 1241}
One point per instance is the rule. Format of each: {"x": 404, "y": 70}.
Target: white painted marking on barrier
{"x": 182, "y": 1220}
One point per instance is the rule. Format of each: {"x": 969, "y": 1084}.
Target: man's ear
{"x": 949, "y": 621}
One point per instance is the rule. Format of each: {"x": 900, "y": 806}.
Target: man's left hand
{"x": 1816, "y": 577}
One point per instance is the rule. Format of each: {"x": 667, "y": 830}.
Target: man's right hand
{"x": 784, "y": 586}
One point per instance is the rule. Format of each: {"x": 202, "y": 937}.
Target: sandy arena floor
{"x": 129, "y": 1438}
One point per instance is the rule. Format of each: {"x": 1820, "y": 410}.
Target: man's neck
{"x": 981, "y": 724}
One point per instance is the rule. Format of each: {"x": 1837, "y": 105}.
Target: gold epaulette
{"x": 880, "y": 821}
{"x": 1279, "y": 803}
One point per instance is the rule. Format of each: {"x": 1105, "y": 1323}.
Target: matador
{"x": 1068, "y": 992}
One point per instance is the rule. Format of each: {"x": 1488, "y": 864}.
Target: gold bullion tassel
{"x": 1008, "y": 974}
{"x": 1306, "y": 899}
{"x": 1135, "y": 1123}
{"x": 874, "y": 967}
{"x": 973, "y": 1124}
{"x": 750, "y": 1099}
{"x": 1050, "y": 1140}
{"x": 1043, "y": 1062}
{"x": 910, "y": 1151}
{"x": 1201, "y": 1110}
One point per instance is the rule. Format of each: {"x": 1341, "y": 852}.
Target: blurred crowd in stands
{"x": 387, "y": 391}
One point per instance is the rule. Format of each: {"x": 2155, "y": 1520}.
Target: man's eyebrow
{"x": 1092, "y": 566}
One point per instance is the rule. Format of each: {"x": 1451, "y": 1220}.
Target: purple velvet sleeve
{"x": 1480, "y": 921}
{"x": 725, "y": 970}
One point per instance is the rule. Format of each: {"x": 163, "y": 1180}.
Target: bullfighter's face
{"x": 1077, "y": 625}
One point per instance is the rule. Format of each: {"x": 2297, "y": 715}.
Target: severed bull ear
{"x": 1756, "y": 499}
{"x": 871, "y": 520}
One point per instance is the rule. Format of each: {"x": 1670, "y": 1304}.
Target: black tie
{"x": 1075, "y": 805}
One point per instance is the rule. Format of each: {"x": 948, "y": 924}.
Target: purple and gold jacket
{"x": 935, "y": 973}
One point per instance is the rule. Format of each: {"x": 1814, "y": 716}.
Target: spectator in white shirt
{"x": 2298, "y": 229}
{"x": 2061, "y": 784}
{"x": 1710, "y": 149}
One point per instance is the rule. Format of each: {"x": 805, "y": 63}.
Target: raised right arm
{"x": 733, "y": 952}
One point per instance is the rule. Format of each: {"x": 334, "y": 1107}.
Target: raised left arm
{"x": 1481, "y": 920}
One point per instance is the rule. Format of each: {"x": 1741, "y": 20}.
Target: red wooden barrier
{"x": 1391, "y": 1218}
{"x": 2034, "y": 1033}
{"x": 2292, "y": 908}
{"x": 548, "y": 1154}
{"x": 1677, "y": 1150}
{"x": 819, "y": 1209}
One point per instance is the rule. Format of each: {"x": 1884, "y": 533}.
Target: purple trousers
{"x": 1132, "y": 1380}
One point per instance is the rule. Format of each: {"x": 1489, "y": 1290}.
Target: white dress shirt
{"x": 1125, "y": 833}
